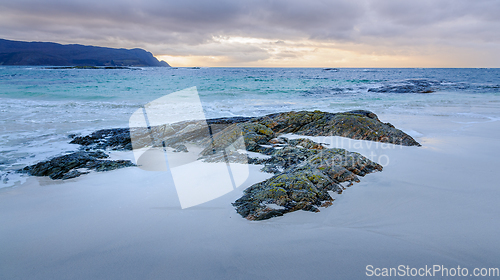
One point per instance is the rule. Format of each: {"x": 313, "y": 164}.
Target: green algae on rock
{"x": 359, "y": 124}
{"x": 302, "y": 181}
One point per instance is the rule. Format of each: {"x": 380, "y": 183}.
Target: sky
{"x": 266, "y": 33}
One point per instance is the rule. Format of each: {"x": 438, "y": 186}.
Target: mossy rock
{"x": 359, "y": 124}
{"x": 307, "y": 176}
{"x": 253, "y": 134}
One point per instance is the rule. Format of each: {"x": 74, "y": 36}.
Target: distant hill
{"x": 53, "y": 54}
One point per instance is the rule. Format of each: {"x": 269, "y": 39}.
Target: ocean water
{"x": 40, "y": 108}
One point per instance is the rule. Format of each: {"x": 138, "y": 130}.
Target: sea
{"x": 41, "y": 107}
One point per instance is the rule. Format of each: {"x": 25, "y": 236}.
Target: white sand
{"x": 437, "y": 204}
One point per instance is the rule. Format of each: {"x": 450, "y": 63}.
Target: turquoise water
{"x": 40, "y": 107}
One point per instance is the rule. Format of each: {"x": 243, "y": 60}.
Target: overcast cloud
{"x": 248, "y": 32}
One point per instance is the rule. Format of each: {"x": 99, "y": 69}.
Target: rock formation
{"x": 305, "y": 173}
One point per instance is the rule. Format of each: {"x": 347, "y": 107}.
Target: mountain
{"x": 53, "y": 54}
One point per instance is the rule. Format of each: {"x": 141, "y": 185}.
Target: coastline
{"x": 434, "y": 204}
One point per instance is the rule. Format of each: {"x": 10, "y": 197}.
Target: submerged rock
{"x": 408, "y": 86}
{"x": 75, "y": 164}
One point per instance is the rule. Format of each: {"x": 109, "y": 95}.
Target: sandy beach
{"x": 431, "y": 205}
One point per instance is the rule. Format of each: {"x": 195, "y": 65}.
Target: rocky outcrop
{"x": 172, "y": 134}
{"x": 75, "y": 164}
{"x": 361, "y": 125}
{"x": 304, "y": 177}
{"x": 305, "y": 173}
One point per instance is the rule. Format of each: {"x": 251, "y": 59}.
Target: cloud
{"x": 195, "y": 27}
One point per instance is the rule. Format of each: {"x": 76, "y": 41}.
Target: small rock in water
{"x": 65, "y": 167}
{"x": 408, "y": 86}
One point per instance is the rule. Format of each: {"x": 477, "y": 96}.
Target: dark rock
{"x": 73, "y": 174}
{"x": 288, "y": 156}
{"x": 116, "y": 139}
{"x": 304, "y": 183}
{"x": 361, "y": 125}
{"x": 66, "y": 167}
{"x": 254, "y": 135}
{"x": 119, "y": 138}
{"x": 408, "y": 86}
{"x": 228, "y": 120}
{"x": 365, "y": 113}
{"x": 303, "y": 169}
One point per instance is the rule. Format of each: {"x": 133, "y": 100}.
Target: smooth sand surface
{"x": 431, "y": 205}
